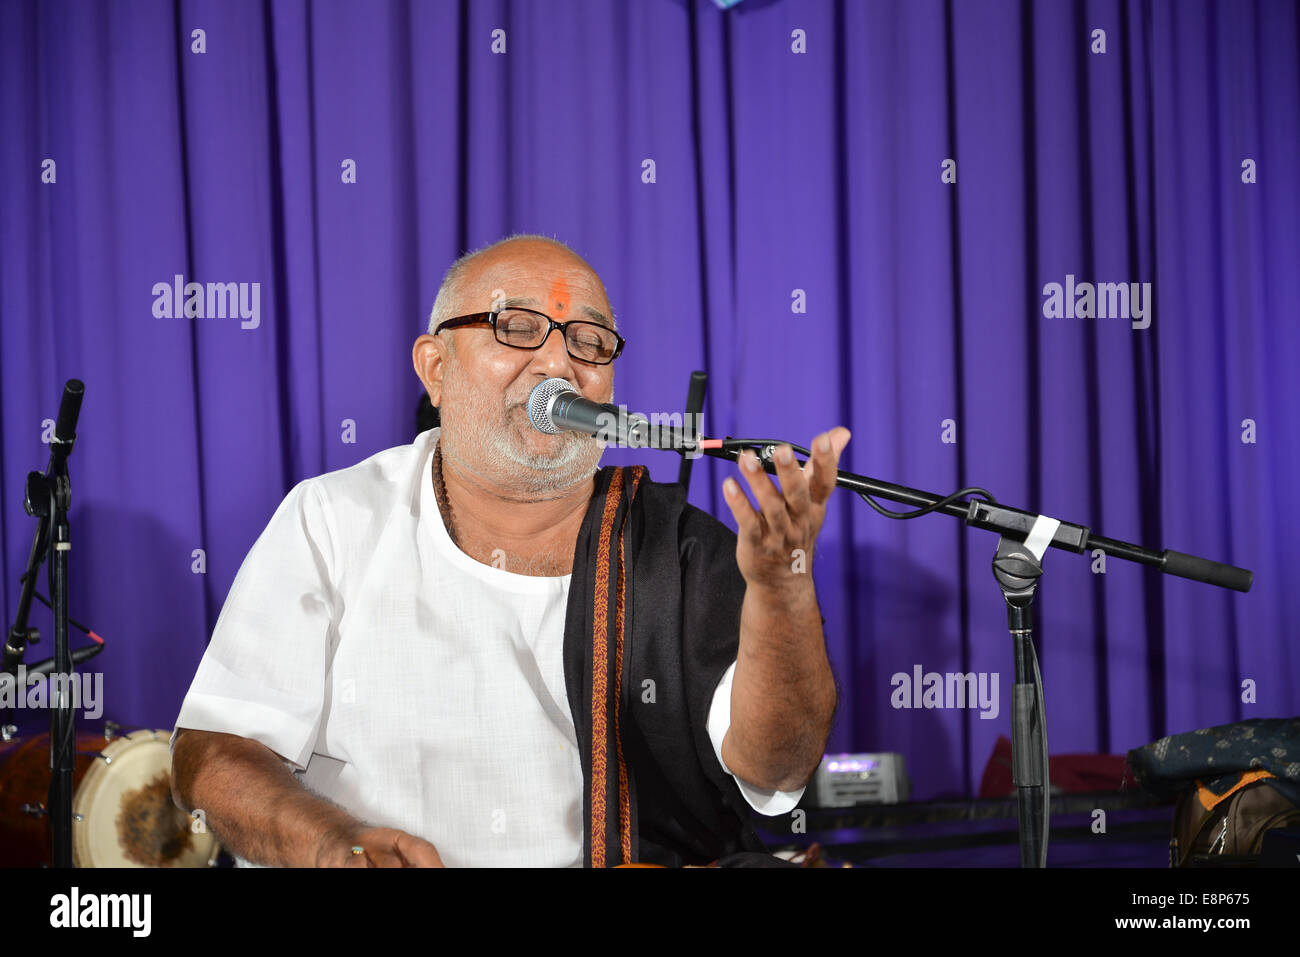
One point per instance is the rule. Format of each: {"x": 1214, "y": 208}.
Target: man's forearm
{"x": 783, "y": 692}
{"x": 253, "y": 803}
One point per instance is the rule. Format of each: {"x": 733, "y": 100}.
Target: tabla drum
{"x": 122, "y": 809}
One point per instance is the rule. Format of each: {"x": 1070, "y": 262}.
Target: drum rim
{"x": 89, "y": 786}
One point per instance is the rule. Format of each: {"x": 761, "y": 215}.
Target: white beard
{"x": 492, "y": 438}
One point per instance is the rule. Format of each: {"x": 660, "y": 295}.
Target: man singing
{"x": 480, "y": 649}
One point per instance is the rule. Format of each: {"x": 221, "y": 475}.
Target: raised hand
{"x": 773, "y": 539}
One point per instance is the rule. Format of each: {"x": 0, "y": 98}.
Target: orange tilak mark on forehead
{"x": 558, "y": 299}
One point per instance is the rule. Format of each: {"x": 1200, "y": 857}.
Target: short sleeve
{"x": 762, "y": 800}
{"x": 263, "y": 674}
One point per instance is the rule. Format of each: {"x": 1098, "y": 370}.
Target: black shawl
{"x": 655, "y": 603}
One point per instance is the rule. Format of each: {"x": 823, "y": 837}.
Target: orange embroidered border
{"x": 600, "y": 672}
{"x": 624, "y": 800}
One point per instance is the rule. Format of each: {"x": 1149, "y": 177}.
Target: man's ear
{"x": 429, "y": 357}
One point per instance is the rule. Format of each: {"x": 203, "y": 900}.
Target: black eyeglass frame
{"x": 490, "y": 318}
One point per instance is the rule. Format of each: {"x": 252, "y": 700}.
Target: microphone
{"x": 65, "y": 427}
{"x": 554, "y": 406}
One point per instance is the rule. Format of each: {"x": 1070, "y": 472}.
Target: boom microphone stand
{"x": 1017, "y": 567}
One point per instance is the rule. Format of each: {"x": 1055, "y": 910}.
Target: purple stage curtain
{"x": 764, "y": 192}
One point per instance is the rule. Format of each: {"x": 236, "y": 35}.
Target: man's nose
{"x": 553, "y": 358}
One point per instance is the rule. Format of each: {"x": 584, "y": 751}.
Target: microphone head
{"x": 539, "y": 403}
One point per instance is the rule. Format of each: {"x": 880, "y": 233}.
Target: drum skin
{"x": 123, "y": 814}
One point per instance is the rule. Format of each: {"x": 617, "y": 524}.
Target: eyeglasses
{"x": 528, "y": 329}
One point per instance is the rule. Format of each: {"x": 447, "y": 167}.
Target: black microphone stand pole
{"x": 47, "y": 498}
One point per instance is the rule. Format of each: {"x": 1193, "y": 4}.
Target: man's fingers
{"x": 747, "y": 520}
{"x": 770, "y": 502}
{"x": 800, "y": 488}
{"x": 390, "y": 847}
{"x": 794, "y": 485}
{"x": 418, "y": 852}
{"x": 821, "y": 470}
{"x": 381, "y": 856}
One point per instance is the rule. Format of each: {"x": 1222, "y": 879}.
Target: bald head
{"x": 454, "y": 291}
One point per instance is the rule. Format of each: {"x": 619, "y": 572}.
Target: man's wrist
{"x": 793, "y": 595}
{"x": 336, "y": 843}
